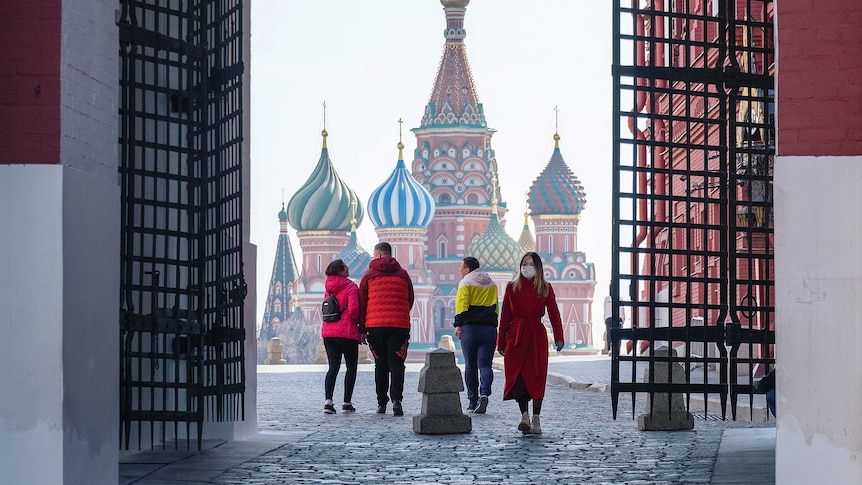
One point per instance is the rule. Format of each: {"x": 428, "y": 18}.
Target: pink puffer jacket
{"x": 347, "y": 294}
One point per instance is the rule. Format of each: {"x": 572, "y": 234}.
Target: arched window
{"x": 472, "y": 199}
{"x": 445, "y": 199}
{"x": 319, "y": 264}
{"x": 276, "y": 306}
{"x": 441, "y": 250}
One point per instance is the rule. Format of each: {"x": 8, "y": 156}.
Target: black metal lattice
{"x": 692, "y": 198}
{"x": 182, "y": 286}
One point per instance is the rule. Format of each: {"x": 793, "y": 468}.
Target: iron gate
{"x": 692, "y": 196}
{"x": 182, "y": 286}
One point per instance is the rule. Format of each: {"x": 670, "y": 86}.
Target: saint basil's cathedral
{"x": 434, "y": 210}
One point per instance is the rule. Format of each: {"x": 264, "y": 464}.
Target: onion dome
{"x": 454, "y": 101}
{"x": 323, "y": 203}
{"x": 496, "y": 250}
{"x": 354, "y": 256}
{"x": 556, "y": 190}
{"x": 401, "y": 201}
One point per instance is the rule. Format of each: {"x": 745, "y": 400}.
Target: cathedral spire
{"x": 400, "y": 143}
{"x": 556, "y": 128}
{"x": 323, "y": 133}
{"x": 454, "y": 101}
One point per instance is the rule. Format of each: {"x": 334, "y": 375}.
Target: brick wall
{"x": 30, "y": 81}
{"x": 819, "y": 77}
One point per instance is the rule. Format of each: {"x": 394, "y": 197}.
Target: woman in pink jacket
{"x": 341, "y": 338}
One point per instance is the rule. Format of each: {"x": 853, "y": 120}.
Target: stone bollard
{"x": 446, "y": 343}
{"x": 440, "y": 383}
{"x": 364, "y": 354}
{"x": 667, "y": 411}
{"x": 274, "y": 352}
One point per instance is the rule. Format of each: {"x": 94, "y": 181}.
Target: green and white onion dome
{"x": 323, "y": 203}
{"x": 496, "y": 250}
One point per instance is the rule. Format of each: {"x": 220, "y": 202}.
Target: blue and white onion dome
{"x": 401, "y": 201}
{"x": 324, "y": 202}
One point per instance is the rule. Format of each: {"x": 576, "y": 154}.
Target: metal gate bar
{"x": 182, "y": 288}
{"x": 678, "y": 266}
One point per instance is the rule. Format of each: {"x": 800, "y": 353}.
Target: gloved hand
{"x": 559, "y": 344}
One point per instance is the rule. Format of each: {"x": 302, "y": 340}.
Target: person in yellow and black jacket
{"x": 476, "y": 326}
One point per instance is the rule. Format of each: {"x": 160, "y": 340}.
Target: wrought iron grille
{"x": 182, "y": 286}
{"x": 692, "y": 196}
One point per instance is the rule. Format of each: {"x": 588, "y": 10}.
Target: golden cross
{"x": 556, "y": 119}
{"x": 400, "y": 122}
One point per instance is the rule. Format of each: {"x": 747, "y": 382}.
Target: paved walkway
{"x": 581, "y": 442}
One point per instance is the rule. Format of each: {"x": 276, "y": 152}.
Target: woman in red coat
{"x": 341, "y": 338}
{"x": 522, "y": 339}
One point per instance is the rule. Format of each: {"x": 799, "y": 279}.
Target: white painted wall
{"x": 31, "y": 317}
{"x": 818, "y": 283}
{"x": 59, "y": 274}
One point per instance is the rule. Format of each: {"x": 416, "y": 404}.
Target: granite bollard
{"x": 274, "y": 352}
{"x": 446, "y": 343}
{"x": 440, "y": 383}
{"x": 666, "y": 411}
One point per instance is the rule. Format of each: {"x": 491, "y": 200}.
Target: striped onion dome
{"x": 401, "y": 201}
{"x": 355, "y": 257}
{"x": 496, "y": 250}
{"x": 556, "y": 190}
{"x": 324, "y": 202}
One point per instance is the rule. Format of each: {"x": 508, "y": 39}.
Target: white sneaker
{"x": 536, "y": 426}
{"x": 524, "y": 425}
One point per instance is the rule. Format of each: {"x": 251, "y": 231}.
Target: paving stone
{"x": 581, "y": 442}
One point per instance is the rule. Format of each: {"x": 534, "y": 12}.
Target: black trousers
{"x": 335, "y": 349}
{"x": 389, "y": 347}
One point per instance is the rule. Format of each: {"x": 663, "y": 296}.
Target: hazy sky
{"x": 375, "y": 62}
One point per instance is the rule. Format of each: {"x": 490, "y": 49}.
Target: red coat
{"x": 385, "y": 295}
{"x": 523, "y": 339}
{"x": 347, "y": 294}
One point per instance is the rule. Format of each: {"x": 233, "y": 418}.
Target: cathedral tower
{"x": 321, "y": 211}
{"x": 401, "y": 210}
{"x": 556, "y": 199}
{"x": 454, "y": 161}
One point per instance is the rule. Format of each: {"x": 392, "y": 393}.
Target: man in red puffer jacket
{"x": 385, "y": 300}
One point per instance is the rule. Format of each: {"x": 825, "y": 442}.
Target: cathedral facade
{"x": 443, "y": 203}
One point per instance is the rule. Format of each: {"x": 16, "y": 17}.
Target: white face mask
{"x": 528, "y": 271}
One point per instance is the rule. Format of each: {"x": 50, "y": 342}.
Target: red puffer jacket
{"x": 347, "y": 294}
{"x": 385, "y": 295}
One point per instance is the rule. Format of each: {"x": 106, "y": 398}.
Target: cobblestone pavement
{"x": 581, "y": 443}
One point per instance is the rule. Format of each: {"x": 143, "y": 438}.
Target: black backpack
{"x": 330, "y": 310}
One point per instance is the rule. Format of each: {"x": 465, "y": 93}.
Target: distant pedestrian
{"x": 342, "y": 338}
{"x": 476, "y": 326}
{"x": 523, "y": 339}
{"x": 766, "y": 385}
{"x": 385, "y": 301}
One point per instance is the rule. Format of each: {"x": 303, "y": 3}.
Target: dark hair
{"x": 471, "y": 263}
{"x": 335, "y": 268}
{"x": 384, "y": 248}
